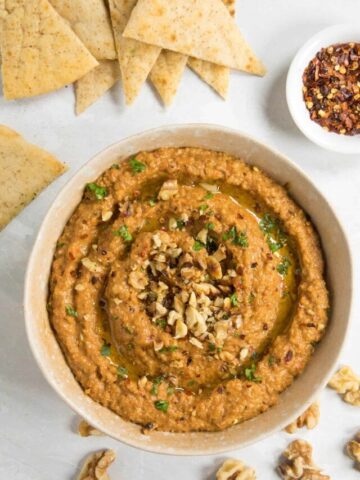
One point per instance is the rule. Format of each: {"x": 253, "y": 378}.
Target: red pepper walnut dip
{"x": 332, "y": 88}
{"x": 187, "y": 290}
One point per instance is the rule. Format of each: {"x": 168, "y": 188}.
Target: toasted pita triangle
{"x": 136, "y": 59}
{"x": 40, "y": 52}
{"x": 202, "y": 29}
{"x": 95, "y": 83}
{"x": 167, "y": 73}
{"x": 90, "y": 20}
{"x": 25, "y": 170}
{"x": 217, "y": 76}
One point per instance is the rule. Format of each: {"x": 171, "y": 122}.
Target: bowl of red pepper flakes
{"x": 323, "y": 88}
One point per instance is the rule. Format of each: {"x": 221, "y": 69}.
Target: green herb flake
{"x": 162, "y": 405}
{"x": 71, "y": 311}
{"x": 155, "y": 384}
{"x": 198, "y": 245}
{"x": 122, "y": 372}
{"x": 212, "y": 347}
{"x": 230, "y": 235}
{"x": 250, "y": 374}
{"x": 268, "y": 223}
{"x": 100, "y": 192}
{"x": 136, "y": 166}
{"x": 251, "y": 298}
{"x": 237, "y": 238}
{"x": 105, "y": 350}
{"x": 180, "y": 224}
{"x": 170, "y": 348}
{"x": 283, "y": 267}
{"x": 115, "y": 166}
{"x": 124, "y": 233}
{"x": 210, "y": 226}
{"x": 274, "y": 245}
{"x": 234, "y": 299}
{"x": 152, "y": 202}
{"x": 161, "y": 322}
{"x": 271, "y": 360}
{"x": 208, "y": 196}
{"x": 203, "y": 208}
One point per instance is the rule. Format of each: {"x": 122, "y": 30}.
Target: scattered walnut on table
{"x": 96, "y": 465}
{"x": 353, "y": 450}
{"x": 309, "y": 419}
{"x": 86, "y": 430}
{"x": 298, "y": 463}
{"x": 233, "y": 469}
{"x": 347, "y": 383}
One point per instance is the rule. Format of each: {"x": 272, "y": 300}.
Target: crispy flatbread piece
{"x": 25, "y": 170}
{"x": 202, "y": 29}
{"x": 217, "y": 76}
{"x": 166, "y": 74}
{"x": 136, "y": 59}
{"x": 40, "y": 52}
{"x": 90, "y": 20}
{"x": 95, "y": 83}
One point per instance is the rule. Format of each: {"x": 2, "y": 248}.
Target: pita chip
{"x": 25, "y": 170}
{"x": 90, "y": 20}
{"x": 136, "y": 59}
{"x": 167, "y": 73}
{"x": 202, "y": 29}
{"x": 40, "y": 52}
{"x": 216, "y": 76}
{"x": 95, "y": 83}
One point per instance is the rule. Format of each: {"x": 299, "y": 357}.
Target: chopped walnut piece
{"x": 92, "y": 266}
{"x": 309, "y": 419}
{"x": 233, "y": 469}
{"x": 298, "y": 463}
{"x": 86, "y": 430}
{"x": 168, "y": 189}
{"x": 214, "y": 268}
{"x": 181, "y": 329}
{"x": 138, "y": 280}
{"x": 210, "y": 187}
{"x": 353, "y": 450}
{"x": 96, "y": 465}
{"x": 347, "y": 383}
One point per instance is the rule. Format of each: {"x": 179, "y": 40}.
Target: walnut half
{"x": 353, "y": 450}
{"x": 347, "y": 383}
{"x": 298, "y": 463}
{"x": 233, "y": 469}
{"x": 86, "y": 430}
{"x": 309, "y": 419}
{"x": 96, "y": 465}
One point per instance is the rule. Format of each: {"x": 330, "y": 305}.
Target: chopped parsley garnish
{"x": 271, "y": 360}
{"x": 198, "y": 245}
{"x": 212, "y": 347}
{"x": 210, "y": 226}
{"x": 283, "y": 267}
{"x": 274, "y": 245}
{"x": 152, "y": 202}
{"x": 100, "y": 192}
{"x": 250, "y": 374}
{"x": 209, "y": 196}
{"x": 270, "y": 225}
{"x": 234, "y": 299}
{"x": 180, "y": 224}
{"x": 124, "y": 233}
{"x": 71, "y": 311}
{"x": 203, "y": 208}
{"x": 162, "y": 405}
{"x": 136, "y": 166}
{"x": 237, "y": 238}
{"x": 156, "y": 382}
{"x": 122, "y": 372}
{"x": 170, "y": 348}
{"x": 161, "y": 322}
{"x": 105, "y": 350}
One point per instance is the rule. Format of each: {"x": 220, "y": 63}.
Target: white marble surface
{"x": 37, "y": 439}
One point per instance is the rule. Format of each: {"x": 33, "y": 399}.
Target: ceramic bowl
{"x": 304, "y": 389}
{"x": 294, "y": 84}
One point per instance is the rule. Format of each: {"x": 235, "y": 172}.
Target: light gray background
{"x": 37, "y": 439}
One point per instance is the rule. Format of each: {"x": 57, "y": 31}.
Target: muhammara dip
{"x": 187, "y": 290}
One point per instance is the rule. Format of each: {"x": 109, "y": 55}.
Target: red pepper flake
{"x": 289, "y": 356}
{"x": 332, "y": 88}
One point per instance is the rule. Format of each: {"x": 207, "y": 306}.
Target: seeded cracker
{"x": 40, "y": 52}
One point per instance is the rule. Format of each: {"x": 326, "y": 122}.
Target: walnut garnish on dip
{"x": 96, "y": 465}
{"x": 197, "y": 301}
{"x": 353, "y": 450}
{"x": 298, "y": 463}
{"x": 347, "y": 383}
{"x": 233, "y": 469}
{"x": 309, "y": 419}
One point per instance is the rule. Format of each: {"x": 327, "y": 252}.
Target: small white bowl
{"x": 332, "y": 141}
{"x": 295, "y": 399}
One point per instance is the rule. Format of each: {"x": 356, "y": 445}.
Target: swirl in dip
{"x": 187, "y": 290}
